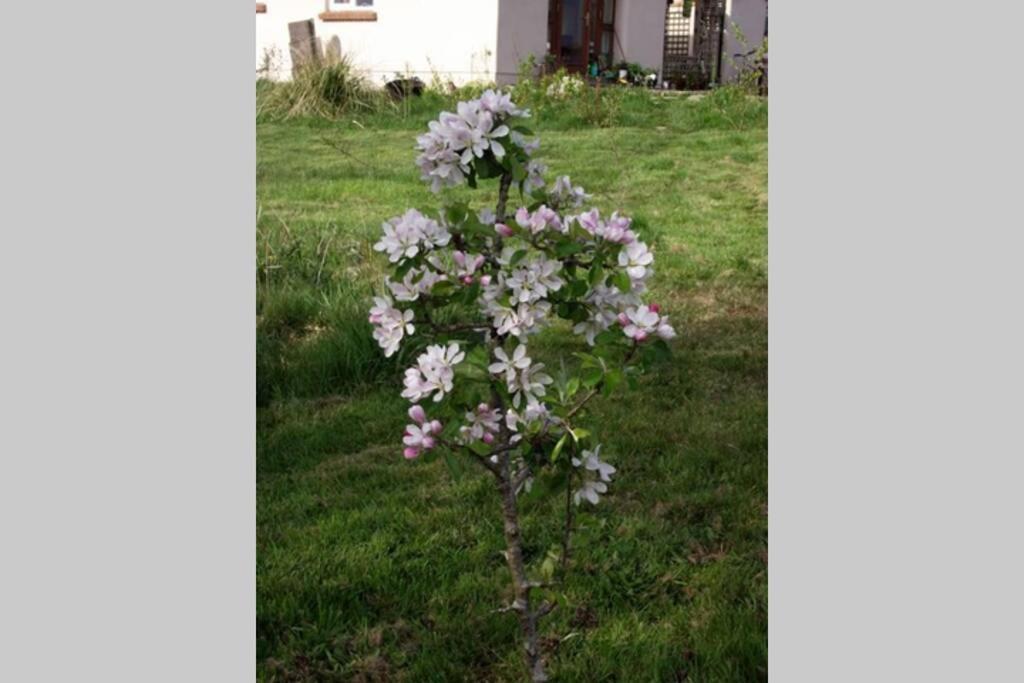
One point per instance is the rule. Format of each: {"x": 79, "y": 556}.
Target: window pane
{"x": 364, "y": 3}
{"x": 609, "y": 11}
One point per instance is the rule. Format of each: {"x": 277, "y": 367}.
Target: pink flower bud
{"x": 523, "y": 217}
{"x": 641, "y": 335}
{"x": 411, "y": 453}
{"x": 654, "y": 307}
{"x": 623, "y": 319}
{"x": 417, "y": 414}
{"x": 478, "y": 261}
{"x": 435, "y": 426}
{"x": 488, "y": 437}
{"x": 428, "y": 442}
{"x": 503, "y": 230}
{"x": 467, "y": 279}
{"x": 485, "y": 280}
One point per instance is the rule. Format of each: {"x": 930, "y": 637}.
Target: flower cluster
{"x": 640, "y": 322}
{"x": 597, "y": 484}
{"x": 518, "y": 272}
{"x": 406, "y": 235}
{"x": 482, "y": 424}
{"x": 421, "y": 436}
{"x": 433, "y": 373}
{"x": 454, "y": 140}
{"x": 523, "y": 378}
{"x": 390, "y": 324}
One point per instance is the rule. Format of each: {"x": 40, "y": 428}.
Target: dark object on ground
{"x": 401, "y": 88}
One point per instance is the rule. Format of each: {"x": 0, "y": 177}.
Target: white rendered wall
{"x": 457, "y": 39}
{"x": 640, "y": 32}
{"x": 522, "y": 31}
{"x": 749, "y": 15}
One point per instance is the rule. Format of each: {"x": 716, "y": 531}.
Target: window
{"x": 350, "y": 3}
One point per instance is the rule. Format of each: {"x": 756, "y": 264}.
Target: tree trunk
{"x": 522, "y": 605}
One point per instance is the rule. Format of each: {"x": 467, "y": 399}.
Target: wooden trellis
{"x": 693, "y": 43}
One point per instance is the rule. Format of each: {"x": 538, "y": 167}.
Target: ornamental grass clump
{"x": 470, "y": 288}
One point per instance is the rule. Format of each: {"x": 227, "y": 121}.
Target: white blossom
{"x": 635, "y": 258}
{"x": 509, "y": 365}
{"x": 528, "y": 383}
{"x": 390, "y": 324}
{"x": 407, "y": 234}
{"x": 590, "y": 490}
{"x": 434, "y": 372}
{"x": 591, "y": 460}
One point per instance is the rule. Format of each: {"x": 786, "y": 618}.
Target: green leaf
{"x": 594, "y": 276}
{"x": 612, "y": 380}
{"x": 454, "y": 465}
{"x": 456, "y": 213}
{"x": 480, "y": 448}
{"x": 568, "y": 249}
{"x": 557, "y": 450}
{"x": 621, "y": 281}
{"x": 591, "y": 376}
{"x": 518, "y": 256}
{"x": 572, "y": 386}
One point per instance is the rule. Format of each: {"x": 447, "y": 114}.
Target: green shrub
{"x": 327, "y": 88}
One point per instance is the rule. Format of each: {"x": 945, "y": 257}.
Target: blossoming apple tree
{"x": 471, "y": 289}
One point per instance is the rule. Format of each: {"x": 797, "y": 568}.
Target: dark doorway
{"x": 581, "y": 33}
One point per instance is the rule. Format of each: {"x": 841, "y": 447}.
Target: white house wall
{"x": 522, "y": 31}
{"x": 749, "y": 15}
{"x": 640, "y": 32}
{"x": 455, "y": 39}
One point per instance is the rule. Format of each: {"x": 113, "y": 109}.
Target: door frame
{"x": 593, "y": 27}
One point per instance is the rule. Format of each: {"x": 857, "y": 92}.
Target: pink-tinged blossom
{"x": 544, "y": 218}
{"x": 590, "y": 221}
{"x": 535, "y": 280}
{"x": 499, "y": 103}
{"x": 535, "y": 171}
{"x": 528, "y": 146}
{"x": 564, "y": 194}
{"x": 467, "y": 265}
{"x": 405, "y": 235}
{"x": 640, "y": 322}
{"x": 482, "y": 424}
{"x": 636, "y": 258}
{"x": 455, "y": 140}
{"x": 414, "y": 283}
{"x": 519, "y": 321}
{"x": 390, "y": 324}
{"x": 503, "y": 230}
{"x": 421, "y": 436}
{"x": 509, "y": 365}
{"x": 434, "y": 372}
{"x": 617, "y": 230}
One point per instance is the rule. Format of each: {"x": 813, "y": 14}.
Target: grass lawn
{"x": 372, "y": 568}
